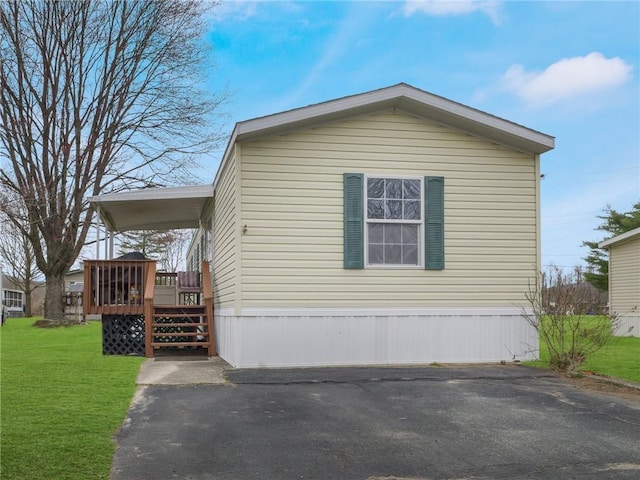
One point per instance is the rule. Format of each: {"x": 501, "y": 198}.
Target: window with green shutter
{"x": 393, "y": 221}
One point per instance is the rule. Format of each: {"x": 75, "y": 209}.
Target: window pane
{"x": 394, "y": 188}
{"x": 393, "y": 234}
{"x": 411, "y": 188}
{"x": 376, "y": 231}
{"x": 375, "y": 209}
{"x": 393, "y": 209}
{"x": 376, "y": 254}
{"x": 410, "y": 234}
{"x": 411, "y": 210}
{"x": 389, "y": 202}
{"x": 375, "y": 187}
{"x": 409, "y": 255}
{"x": 392, "y": 254}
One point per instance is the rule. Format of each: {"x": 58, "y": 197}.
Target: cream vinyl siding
{"x": 292, "y": 204}
{"x": 624, "y": 281}
{"x": 225, "y": 237}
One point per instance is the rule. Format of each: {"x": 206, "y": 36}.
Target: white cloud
{"x": 567, "y": 78}
{"x": 452, "y": 7}
{"x": 246, "y": 9}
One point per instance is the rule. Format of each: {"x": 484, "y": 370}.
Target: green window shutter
{"x": 353, "y": 220}
{"x": 434, "y": 223}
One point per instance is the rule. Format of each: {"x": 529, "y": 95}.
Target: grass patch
{"x": 619, "y": 358}
{"x": 61, "y": 401}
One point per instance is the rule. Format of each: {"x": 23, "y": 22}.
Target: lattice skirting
{"x": 123, "y": 335}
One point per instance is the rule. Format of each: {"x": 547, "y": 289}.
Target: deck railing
{"x": 135, "y": 288}
{"x": 115, "y": 287}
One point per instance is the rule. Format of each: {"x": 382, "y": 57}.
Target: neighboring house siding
{"x": 292, "y": 201}
{"x": 225, "y": 235}
{"x": 624, "y": 284}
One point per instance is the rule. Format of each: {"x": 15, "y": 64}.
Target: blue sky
{"x": 568, "y": 69}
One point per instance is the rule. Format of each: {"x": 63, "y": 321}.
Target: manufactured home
{"x": 389, "y": 227}
{"x": 624, "y": 281}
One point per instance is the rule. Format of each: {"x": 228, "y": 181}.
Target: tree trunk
{"x": 27, "y": 304}
{"x": 53, "y": 307}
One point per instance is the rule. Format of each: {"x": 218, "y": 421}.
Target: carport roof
{"x": 153, "y": 208}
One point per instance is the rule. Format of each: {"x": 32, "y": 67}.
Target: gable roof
{"x": 181, "y": 207}
{"x": 631, "y": 234}
{"x": 408, "y": 99}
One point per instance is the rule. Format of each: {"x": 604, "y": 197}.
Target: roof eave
{"x": 623, "y": 237}
{"x": 406, "y": 98}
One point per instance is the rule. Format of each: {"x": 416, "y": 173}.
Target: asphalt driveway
{"x": 502, "y": 422}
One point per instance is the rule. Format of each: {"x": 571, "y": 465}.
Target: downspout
{"x": 538, "y": 215}
{"x": 1, "y": 298}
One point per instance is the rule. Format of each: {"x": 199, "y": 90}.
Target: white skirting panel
{"x": 323, "y": 337}
{"x": 628, "y": 326}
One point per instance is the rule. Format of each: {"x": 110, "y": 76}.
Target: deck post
{"x": 148, "y": 309}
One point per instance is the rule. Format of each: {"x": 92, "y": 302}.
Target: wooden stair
{"x": 180, "y": 326}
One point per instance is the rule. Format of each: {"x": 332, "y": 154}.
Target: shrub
{"x": 569, "y": 317}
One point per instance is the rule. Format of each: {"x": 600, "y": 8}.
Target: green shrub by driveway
{"x": 61, "y": 401}
{"x": 619, "y": 358}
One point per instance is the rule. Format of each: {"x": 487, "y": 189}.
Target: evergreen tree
{"x": 614, "y": 223}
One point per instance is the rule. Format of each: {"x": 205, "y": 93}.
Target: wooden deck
{"x": 177, "y": 308}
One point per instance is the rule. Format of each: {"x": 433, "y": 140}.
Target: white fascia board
{"x": 406, "y": 98}
{"x": 401, "y": 96}
{"x": 225, "y": 157}
{"x": 161, "y": 193}
{"x": 619, "y": 238}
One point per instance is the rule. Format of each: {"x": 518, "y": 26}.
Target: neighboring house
{"x": 73, "y": 277}
{"x": 390, "y": 227}
{"x": 624, "y": 280}
{"x": 13, "y": 296}
{"x": 73, "y": 291}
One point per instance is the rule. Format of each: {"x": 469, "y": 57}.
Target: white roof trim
{"x": 190, "y": 191}
{"x": 402, "y": 97}
{"x": 620, "y": 238}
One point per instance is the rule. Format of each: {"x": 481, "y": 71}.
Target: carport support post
{"x": 98, "y": 221}
{"x": 111, "y": 235}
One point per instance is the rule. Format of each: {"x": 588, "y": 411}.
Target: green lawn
{"x": 61, "y": 401}
{"x": 619, "y": 358}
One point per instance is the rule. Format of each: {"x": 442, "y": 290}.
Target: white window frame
{"x": 17, "y": 297}
{"x": 420, "y": 223}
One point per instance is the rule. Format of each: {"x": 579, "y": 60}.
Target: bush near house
{"x": 619, "y": 358}
{"x": 61, "y": 401}
{"x": 562, "y": 312}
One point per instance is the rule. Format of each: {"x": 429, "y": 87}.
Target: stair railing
{"x": 148, "y": 310}
{"x": 207, "y": 292}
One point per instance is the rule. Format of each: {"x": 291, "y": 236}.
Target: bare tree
{"x": 166, "y": 246}
{"x": 175, "y": 243}
{"x": 18, "y": 258}
{"x": 96, "y": 96}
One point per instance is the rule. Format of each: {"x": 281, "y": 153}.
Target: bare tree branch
{"x": 96, "y": 97}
